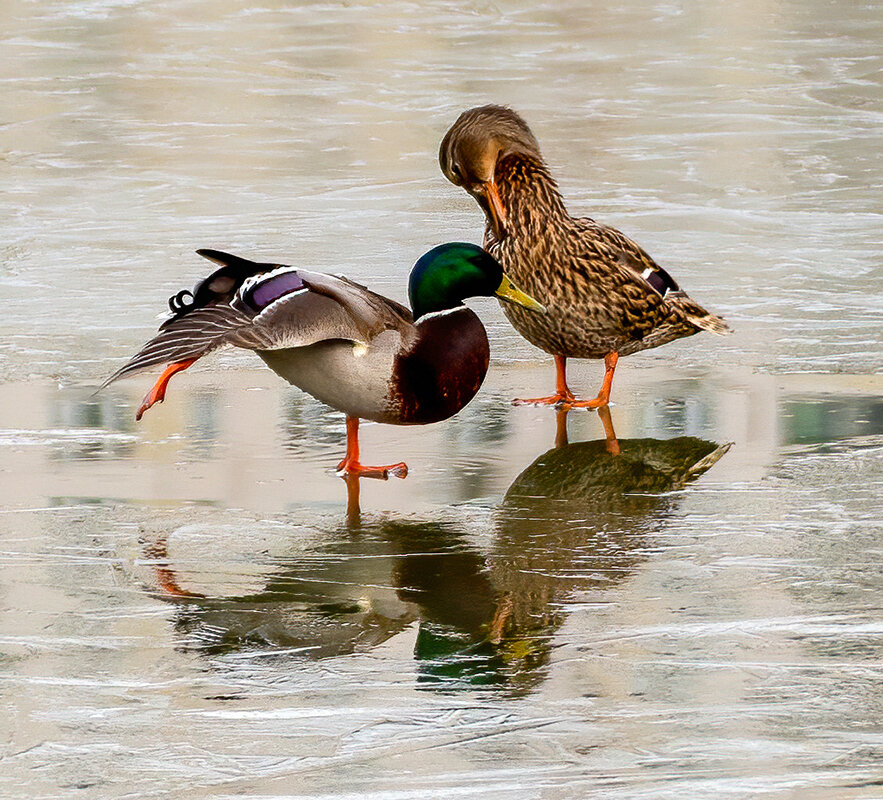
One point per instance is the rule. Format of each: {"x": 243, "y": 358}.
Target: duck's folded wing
{"x": 328, "y": 307}
{"x": 369, "y": 311}
{"x": 634, "y": 263}
{"x": 645, "y": 285}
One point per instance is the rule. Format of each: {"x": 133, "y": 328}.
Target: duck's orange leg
{"x": 166, "y": 579}
{"x": 168, "y": 583}
{"x": 158, "y": 393}
{"x": 603, "y": 397}
{"x": 561, "y": 439}
{"x": 612, "y": 443}
{"x": 350, "y": 466}
{"x": 562, "y": 396}
{"x": 353, "y": 508}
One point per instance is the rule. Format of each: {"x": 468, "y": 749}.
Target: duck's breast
{"x": 441, "y": 369}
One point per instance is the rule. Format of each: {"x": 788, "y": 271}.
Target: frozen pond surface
{"x": 188, "y": 605}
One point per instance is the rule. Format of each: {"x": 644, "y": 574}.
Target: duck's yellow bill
{"x": 511, "y": 293}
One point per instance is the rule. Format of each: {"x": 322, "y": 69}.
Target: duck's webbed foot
{"x": 595, "y": 402}
{"x": 347, "y": 469}
{"x": 603, "y": 398}
{"x": 158, "y": 393}
{"x": 350, "y": 466}
{"x": 559, "y": 400}
{"x": 565, "y": 399}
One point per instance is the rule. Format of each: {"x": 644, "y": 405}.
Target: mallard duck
{"x": 605, "y": 297}
{"x": 356, "y": 351}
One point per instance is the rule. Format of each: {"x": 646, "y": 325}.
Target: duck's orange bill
{"x": 158, "y": 393}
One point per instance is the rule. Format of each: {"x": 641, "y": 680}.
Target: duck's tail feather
{"x": 707, "y": 462}
{"x": 187, "y": 338}
{"x": 711, "y": 322}
{"x": 697, "y": 315}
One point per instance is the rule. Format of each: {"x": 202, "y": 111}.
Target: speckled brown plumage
{"x": 603, "y": 293}
{"x": 587, "y": 275}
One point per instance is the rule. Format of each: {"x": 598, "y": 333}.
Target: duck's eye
{"x": 457, "y": 174}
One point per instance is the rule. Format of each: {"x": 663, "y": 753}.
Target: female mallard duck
{"x": 356, "y": 351}
{"x": 605, "y": 297}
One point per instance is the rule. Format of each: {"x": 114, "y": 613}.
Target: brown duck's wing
{"x": 284, "y": 308}
{"x": 631, "y": 260}
{"x": 648, "y": 294}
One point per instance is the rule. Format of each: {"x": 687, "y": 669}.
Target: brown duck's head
{"x": 469, "y": 153}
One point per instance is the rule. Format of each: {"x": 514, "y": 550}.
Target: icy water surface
{"x": 682, "y": 603}
{"x": 193, "y": 603}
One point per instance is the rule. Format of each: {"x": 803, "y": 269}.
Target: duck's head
{"x": 470, "y": 150}
{"x": 445, "y": 276}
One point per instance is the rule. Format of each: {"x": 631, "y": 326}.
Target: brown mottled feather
{"x": 588, "y": 275}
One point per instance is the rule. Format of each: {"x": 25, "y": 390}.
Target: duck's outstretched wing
{"x": 272, "y": 307}
{"x": 184, "y": 339}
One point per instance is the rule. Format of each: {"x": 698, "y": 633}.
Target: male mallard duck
{"x": 605, "y": 297}
{"x": 356, "y": 351}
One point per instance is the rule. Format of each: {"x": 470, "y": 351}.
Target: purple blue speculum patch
{"x": 264, "y": 293}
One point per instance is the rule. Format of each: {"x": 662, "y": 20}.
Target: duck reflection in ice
{"x": 572, "y": 524}
{"x": 349, "y": 595}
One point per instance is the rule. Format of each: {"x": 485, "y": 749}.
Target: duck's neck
{"x": 530, "y": 196}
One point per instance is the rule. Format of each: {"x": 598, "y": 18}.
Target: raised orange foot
{"x": 158, "y": 393}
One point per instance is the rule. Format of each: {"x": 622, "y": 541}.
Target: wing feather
{"x": 370, "y": 312}
{"x": 631, "y": 260}
{"x": 643, "y": 274}
{"x": 328, "y": 308}
{"x": 193, "y": 336}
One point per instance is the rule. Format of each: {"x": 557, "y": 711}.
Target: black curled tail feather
{"x": 179, "y": 303}
{"x": 219, "y": 288}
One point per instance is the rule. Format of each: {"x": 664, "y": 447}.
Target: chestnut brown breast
{"x": 442, "y": 370}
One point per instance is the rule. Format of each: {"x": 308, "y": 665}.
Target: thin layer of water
{"x": 185, "y": 606}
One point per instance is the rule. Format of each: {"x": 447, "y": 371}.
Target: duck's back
{"x": 603, "y": 293}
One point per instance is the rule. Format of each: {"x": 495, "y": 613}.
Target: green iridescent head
{"x": 445, "y": 276}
